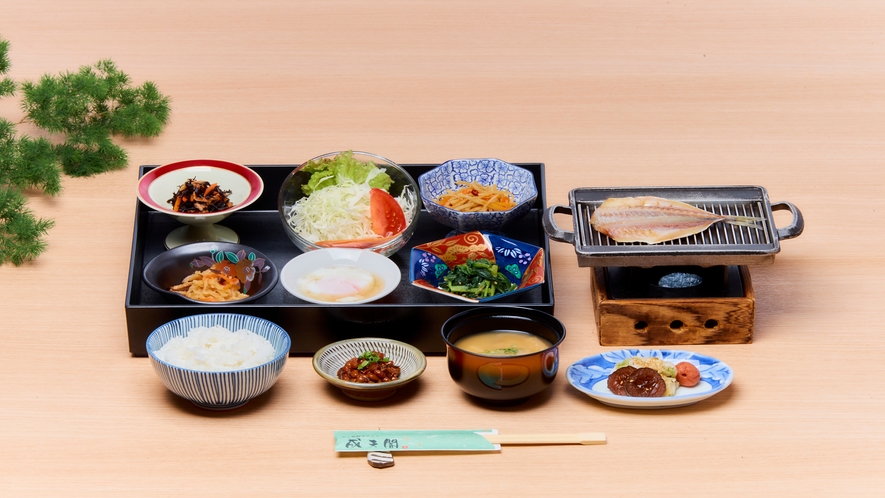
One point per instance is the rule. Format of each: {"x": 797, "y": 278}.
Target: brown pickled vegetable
{"x": 645, "y": 383}
{"x": 200, "y": 196}
{"x": 370, "y": 367}
{"x": 618, "y": 378}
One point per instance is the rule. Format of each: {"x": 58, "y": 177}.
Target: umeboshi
{"x": 687, "y": 374}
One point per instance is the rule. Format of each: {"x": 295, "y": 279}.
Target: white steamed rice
{"x": 215, "y": 349}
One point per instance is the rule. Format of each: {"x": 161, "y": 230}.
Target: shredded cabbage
{"x": 337, "y": 205}
{"x": 339, "y": 212}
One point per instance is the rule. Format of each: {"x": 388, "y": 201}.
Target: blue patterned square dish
{"x": 445, "y": 178}
{"x": 522, "y": 264}
{"x": 590, "y": 375}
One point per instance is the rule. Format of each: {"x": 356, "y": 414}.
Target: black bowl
{"x": 503, "y": 380}
{"x": 170, "y": 268}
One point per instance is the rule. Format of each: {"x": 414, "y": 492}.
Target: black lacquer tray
{"x": 409, "y": 314}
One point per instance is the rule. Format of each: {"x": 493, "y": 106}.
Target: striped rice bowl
{"x": 222, "y": 390}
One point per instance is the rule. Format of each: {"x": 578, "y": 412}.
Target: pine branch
{"x": 85, "y": 108}
{"x": 7, "y": 87}
{"x": 21, "y": 233}
{"x": 27, "y": 163}
{"x": 95, "y": 97}
{"x": 90, "y": 151}
{"x": 4, "y": 56}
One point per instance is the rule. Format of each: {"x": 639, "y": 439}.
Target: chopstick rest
{"x": 380, "y": 459}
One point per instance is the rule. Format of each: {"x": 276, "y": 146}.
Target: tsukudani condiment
{"x": 199, "y": 196}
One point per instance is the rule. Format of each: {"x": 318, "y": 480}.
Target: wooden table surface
{"x": 786, "y": 95}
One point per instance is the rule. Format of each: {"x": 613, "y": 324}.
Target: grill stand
{"x": 627, "y": 314}
{"x": 666, "y": 321}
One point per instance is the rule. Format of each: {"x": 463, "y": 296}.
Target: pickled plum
{"x": 687, "y": 374}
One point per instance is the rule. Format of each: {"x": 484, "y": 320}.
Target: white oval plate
{"x": 305, "y": 263}
{"x": 590, "y": 376}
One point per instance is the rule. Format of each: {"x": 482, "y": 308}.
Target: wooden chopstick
{"x": 580, "y": 438}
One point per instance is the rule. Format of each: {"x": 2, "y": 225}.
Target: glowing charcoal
{"x": 679, "y": 280}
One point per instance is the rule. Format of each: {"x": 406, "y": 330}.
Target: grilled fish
{"x": 653, "y": 219}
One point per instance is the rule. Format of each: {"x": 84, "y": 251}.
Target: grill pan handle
{"x": 793, "y": 229}
{"x": 553, "y": 231}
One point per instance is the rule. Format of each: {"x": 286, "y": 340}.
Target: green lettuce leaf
{"x": 344, "y": 168}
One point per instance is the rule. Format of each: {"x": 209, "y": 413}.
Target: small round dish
{"x": 256, "y": 272}
{"x": 323, "y": 265}
{"x": 220, "y": 390}
{"x": 158, "y": 185}
{"x": 292, "y": 197}
{"x": 590, "y": 375}
{"x": 522, "y": 263}
{"x": 488, "y": 172}
{"x": 329, "y": 359}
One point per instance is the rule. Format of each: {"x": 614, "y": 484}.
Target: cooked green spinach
{"x": 477, "y": 278}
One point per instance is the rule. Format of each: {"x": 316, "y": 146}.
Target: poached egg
{"x": 340, "y": 284}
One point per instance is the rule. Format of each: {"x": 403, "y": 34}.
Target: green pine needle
{"x": 7, "y": 87}
{"x": 84, "y": 109}
{"x": 4, "y": 56}
{"x": 21, "y": 233}
{"x": 42, "y": 172}
{"x": 98, "y": 96}
{"x": 90, "y": 152}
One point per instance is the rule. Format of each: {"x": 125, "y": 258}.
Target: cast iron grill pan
{"x": 721, "y": 244}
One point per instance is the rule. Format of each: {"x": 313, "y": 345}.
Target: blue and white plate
{"x": 590, "y": 376}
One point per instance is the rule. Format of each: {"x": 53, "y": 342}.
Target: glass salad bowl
{"x": 350, "y": 199}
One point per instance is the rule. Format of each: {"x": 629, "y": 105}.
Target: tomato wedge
{"x": 387, "y": 215}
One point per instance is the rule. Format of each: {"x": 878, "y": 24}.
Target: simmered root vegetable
{"x": 474, "y": 197}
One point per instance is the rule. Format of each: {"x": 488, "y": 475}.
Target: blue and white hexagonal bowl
{"x": 220, "y": 390}
{"x": 518, "y": 181}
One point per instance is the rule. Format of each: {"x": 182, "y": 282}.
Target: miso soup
{"x": 503, "y": 343}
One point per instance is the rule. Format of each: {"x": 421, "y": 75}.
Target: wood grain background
{"x": 787, "y": 95}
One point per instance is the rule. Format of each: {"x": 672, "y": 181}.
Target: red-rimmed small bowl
{"x": 158, "y": 185}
